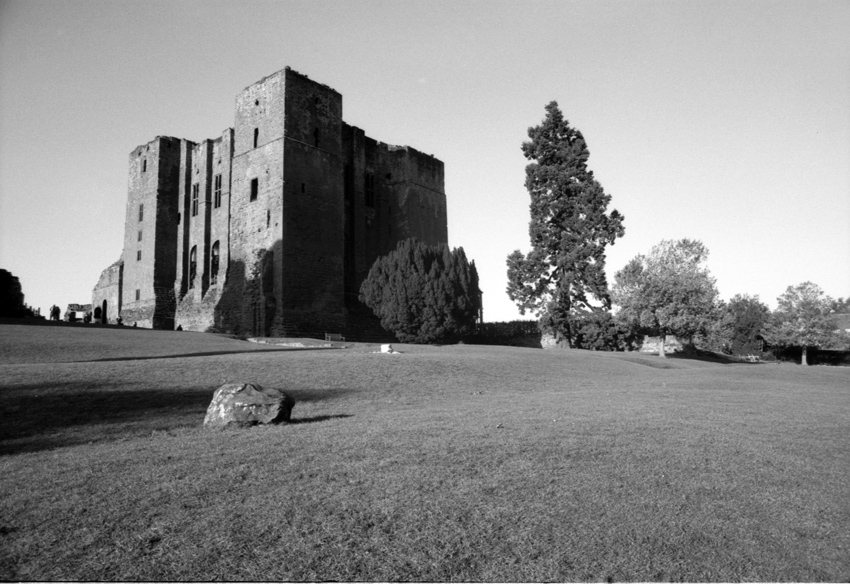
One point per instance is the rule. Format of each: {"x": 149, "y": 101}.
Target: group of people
{"x": 56, "y": 314}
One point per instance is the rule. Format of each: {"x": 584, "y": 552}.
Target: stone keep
{"x": 270, "y": 228}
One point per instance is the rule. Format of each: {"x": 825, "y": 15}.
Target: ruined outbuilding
{"x": 270, "y": 228}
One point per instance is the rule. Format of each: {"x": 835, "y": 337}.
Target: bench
{"x": 334, "y": 337}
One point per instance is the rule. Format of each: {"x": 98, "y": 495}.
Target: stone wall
{"x": 108, "y": 291}
{"x": 393, "y": 193}
{"x": 204, "y": 230}
{"x": 671, "y": 344}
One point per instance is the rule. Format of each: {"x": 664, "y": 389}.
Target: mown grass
{"x": 439, "y": 464}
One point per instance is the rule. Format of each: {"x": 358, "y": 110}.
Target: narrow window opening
{"x": 145, "y": 165}
{"x": 256, "y": 136}
{"x": 214, "y": 264}
{"x": 138, "y": 294}
{"x": 140, "y": 235}
{"x": 255, "y": 188}
{"x": 138, "y": 255}
{"x": 268, "y": 218}
{"x": 193, "y": 265}
{"x": 141, "y": 212}
{"x": 217, "y": 202}
{"x": 178, "y": 218}
{"x": 195, "y": 190}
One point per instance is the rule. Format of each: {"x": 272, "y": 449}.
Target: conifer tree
{"x": 565, "y": 270}
{"x": 424, "y": 294}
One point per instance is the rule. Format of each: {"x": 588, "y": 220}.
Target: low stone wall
{"x": 671, "y": 344}
{"x": 516, "y": 333}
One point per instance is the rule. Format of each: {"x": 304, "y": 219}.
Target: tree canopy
{"x": 565, "y": 270}
{"x": 748, "y": 318}
{"x": 803, "y": 318}
{"x": 424, "y": 294}
{"x": 669, "y": 291}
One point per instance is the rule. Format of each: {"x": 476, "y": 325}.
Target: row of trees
{"x": 668, "y": 291}
{"x": 430, "y": 293}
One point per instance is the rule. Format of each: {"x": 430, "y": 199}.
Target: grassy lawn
{"x": 442, "y": 463}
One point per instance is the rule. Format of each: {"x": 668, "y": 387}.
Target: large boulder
{"x": 245, "y": 404}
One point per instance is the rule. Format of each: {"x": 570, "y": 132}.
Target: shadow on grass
{"x": 45, "y": 416}
{"x": 205, "y": 354}
{"x": 319, "y": 419}
{"x": 709, "y": 357}
{"x": 676, "y": 360}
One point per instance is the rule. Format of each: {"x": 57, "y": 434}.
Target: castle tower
{"x": 286, "y": 209}
{"x": 150, "y": 236}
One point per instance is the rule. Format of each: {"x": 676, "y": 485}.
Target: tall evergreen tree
{"x": 565, "y": 270}
{"x": 424, "y": 294}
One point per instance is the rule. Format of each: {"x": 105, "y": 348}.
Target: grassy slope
{"x": 442, "y": 463}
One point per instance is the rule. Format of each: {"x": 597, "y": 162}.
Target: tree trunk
{"x": 661, "y": 340}
{"x": 803, "y": 360}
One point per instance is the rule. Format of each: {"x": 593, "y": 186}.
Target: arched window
{"x": 193, "y": 265}
{"x": 214, "y": 264}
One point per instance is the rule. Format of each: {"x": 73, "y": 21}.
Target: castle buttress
{"x": 270, "y": 228}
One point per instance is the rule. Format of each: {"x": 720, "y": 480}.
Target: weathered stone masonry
{"x": 270, "y": 228}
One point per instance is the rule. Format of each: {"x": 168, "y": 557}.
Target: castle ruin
{"x": 269, "y": 229}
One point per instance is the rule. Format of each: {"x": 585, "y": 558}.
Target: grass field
{"x": 442, "y": 463}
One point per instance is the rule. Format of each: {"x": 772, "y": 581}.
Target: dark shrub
{"x": 424, "y": 294}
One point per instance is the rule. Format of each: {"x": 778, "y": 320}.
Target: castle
{"x": 269, "y": 229}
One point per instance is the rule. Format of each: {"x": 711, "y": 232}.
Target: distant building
{"x": 269, "y": 229}
{"x": 76, "y": 312}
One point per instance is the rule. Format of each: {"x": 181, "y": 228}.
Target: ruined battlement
{"x": 271, "y": 226}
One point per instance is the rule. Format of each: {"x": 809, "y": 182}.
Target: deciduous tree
{"x": 565, "y": 270}
{"x": 748, "y": 317}
{"x": 803, "y": 318}
{"x": 669, "y": 291}
{"x": 424, "y": 294}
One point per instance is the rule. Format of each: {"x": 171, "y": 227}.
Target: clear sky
{"x": 727, "y": 122}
